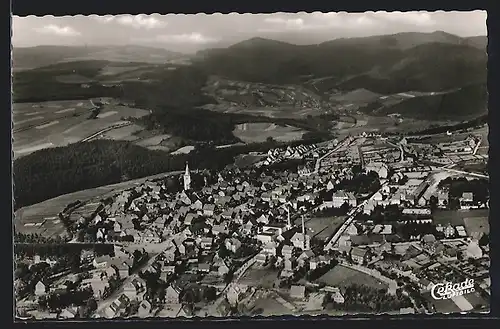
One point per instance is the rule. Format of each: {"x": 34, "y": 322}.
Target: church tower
{"x": 187, "y": 178}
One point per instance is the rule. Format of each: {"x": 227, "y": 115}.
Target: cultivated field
{"x": 341, "y": 276}
{"x": 322, "y": 227}
{"x": 475, "y": 225}
{"x": 475, "y": 217}
{"x": 383, "y": 124}
{"x": 53, "y": 124}
{"x": 257, "y": 276}
{"x": 476, "y": 300}
{"x": 443, "y": 305}
{"x": 269, "y": 307}
{"x": 259, "y": 132}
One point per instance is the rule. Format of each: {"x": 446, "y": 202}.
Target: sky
{"x": 190, "y": 33}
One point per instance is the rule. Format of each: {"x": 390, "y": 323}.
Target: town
{"x": 364, "y": 224}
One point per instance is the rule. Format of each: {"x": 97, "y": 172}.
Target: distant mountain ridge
{"x": 387, "y": 64}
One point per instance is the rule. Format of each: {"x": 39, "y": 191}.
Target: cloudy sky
{"x": 188, "y": 33}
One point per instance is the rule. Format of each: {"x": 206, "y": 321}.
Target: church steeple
{"x": 187, "y": 178}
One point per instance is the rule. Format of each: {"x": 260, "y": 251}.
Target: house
{"x": 359, "y": 255}
{"x": 101, "y": 261}
{"x": 220, "y": 229}
{"x": 287, "y": 251}
{"x": 442, "y": 197}
{"x": 117, "y": 306}
{"x": 261, "y": 258}
{"x": 425, "y": 284}
{"x": 123, "y": 269}
{"x": 467, "y": 200}
{"x": 377, "y": 197}
{"x": 351, "y": 230}
{"x": 172, "y": 294}
{"x": 68, "y": 313}
{"x": 206, "y": 243}
{"x": 297, "y": 292}
{"x": 40, "y": 289}
{"x": 378, "y": 167}
{"x": 339, "y": 198}
{"x": 232, "y": 244}
{"x": 301, "y": 240}
{"x": 208, "y": 210}
{"x": 144, "y": 309}
{"x": 135, "y": 289}
{"x": 289, "y": 264}
{"x": 235, "y": 292}
{"x": 304, "y": 257}
{"x": 270, "y": 248}
{"x": 223, "y": 269}
{"x": 449, "y": 231}
{"x": 338, "y": 297}
{"x": 204, "y": 268}
{"x": 265, "y": 237}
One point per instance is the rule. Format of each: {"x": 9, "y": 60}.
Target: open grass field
{"x": 341, "y": 276}
{"x": 383, "y": 124}
{"x": 443, "y": 305}
{"x": 257, "y": 276}
{"x": 456, "y": 217}
{"x": 476, "y": 300}
{"x": 259, "y": 132}
{"x": 269, "y": 307}
{"x": 322, "y": 228}
{"x": 59, "y": 123}
{"x": 474, "y": 225}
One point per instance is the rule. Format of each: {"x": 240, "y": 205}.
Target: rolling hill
{"x": 34, "y": 57}
{"x": 467, "y": 102}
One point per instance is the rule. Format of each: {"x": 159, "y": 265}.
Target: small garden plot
{"x": 474, "y": 225}
{"x": 341, "y": 276}
{"x": 259, "y": 277}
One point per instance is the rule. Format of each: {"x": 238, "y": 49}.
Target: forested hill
{"x": 437, "y": 64}
{"x": 49, "y": 173}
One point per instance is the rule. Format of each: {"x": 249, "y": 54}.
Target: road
{"x": 212, "y": 309}
{"x": 102, "y": 305}
{"x": 465, "y": 173}
{"x": 120, "y": 125}
{"x": 349, "y": 219}
{"x": 318, "y": 162}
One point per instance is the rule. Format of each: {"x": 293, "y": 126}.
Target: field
{"x": 443, "y": 305}
{"x": 256, "y": 276}
{"x": 476, "y": 300}
{"x": 322, "y": 227}
{"x": 53, "y": 124}
{"x": 269, "y": 307}
{"x": 477, "y": 225}
{"x": 382, "y": 124}
{"x": 341, "y": 276}
{"x": 259, "y": 132}
{"x": 262, "y": 99}
{"x": 42, "y": 218}
{"x": 457, "y": 217}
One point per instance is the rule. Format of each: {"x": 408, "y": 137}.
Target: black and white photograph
{"x": 250, "y": 165}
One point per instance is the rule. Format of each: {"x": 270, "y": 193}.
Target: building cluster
{"x": 245, "y": 94}
{"x": 208, "y": 237}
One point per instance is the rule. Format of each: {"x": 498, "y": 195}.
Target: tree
{"x": 433, "y": 202}
{"x": 484, "y": 240}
